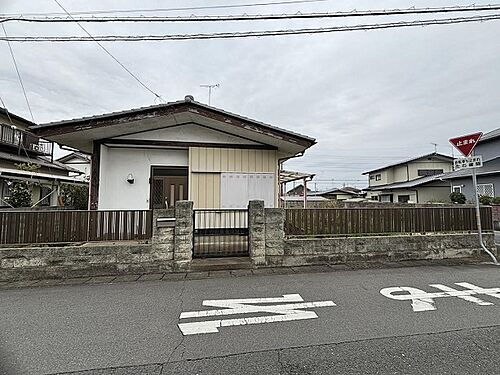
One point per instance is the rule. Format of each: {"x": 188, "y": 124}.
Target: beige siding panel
{"x": 238, "y": 166}
{"x": 206, "y": 164}
{"x": 205, "y": 190}
{"x": 206, "y": 159}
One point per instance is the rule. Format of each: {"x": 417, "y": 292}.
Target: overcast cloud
{"x": 370, "y": 98}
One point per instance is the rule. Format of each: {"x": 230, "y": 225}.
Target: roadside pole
{"x": 478, "y": 219}
{"x": 466, "y": 144}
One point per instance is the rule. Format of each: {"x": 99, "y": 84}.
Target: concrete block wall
{"x": 169, "y": 250}
{"x": 281, "y": 250}
{"x": 495, "y": 208}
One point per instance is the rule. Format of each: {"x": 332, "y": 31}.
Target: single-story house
{"x": 151, "y": 157}
{"x": 298, "y": 191}
{"x": 342, "y": 193}
{"x": 488, "y": 176}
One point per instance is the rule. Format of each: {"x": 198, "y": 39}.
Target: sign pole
{"x": 478, "y": 218}
{"x": 466, "y": 144}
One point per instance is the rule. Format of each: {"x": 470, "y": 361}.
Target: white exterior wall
{"x": 116, "y": 163}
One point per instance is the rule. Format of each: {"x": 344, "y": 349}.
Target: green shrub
{"x": 486, "y": 200}
{"x": 19, "y": 194}
{"x": 496, "y": 200}
{"x": 75, "y": 196}
{"x": 457, "y": 197}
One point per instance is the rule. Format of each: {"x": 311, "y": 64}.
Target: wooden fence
{"x": 353, "y": 221}
{"x": 37, "y": 227}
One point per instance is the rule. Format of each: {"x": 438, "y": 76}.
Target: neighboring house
{"x": 417, "y": 180}
{"x": 151, "y": 157}
{"x": 78, "y": 161}
{"x": 342, "y": 194}
{"x": 18, "y": 146}
{"x": 298, "y": 191}
{"x": 488, "y": 176}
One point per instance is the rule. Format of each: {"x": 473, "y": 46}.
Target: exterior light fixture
{"x": 130, "y": 178}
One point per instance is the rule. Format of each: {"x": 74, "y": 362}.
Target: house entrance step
{"x": 216, "y": 264}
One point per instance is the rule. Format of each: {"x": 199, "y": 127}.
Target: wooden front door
{"x": 167, "y": 189}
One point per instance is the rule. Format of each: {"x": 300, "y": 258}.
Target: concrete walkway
{"x": 232, "y": 273}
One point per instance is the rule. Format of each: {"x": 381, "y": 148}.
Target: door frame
{"x": 175, "y": 171}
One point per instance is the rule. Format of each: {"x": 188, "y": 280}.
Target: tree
{"x": 457, "y": 197}
{"x": 20, "y": 191}
{"x": 19, "y": 194}
{"x": 76, "y": 196}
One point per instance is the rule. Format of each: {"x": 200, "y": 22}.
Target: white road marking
{"x": 283, "y": 313}
{"x": 423, "y": 301}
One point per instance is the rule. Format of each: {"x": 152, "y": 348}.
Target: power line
{"x": 252, "y": 34}
{"x": 18, "y": 74}
{"x": 248, "y": 5}
{"x": 110, "y": 54}
{"x": 259, "y": 17}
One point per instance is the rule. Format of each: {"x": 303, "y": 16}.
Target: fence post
{"x": 274, "y": 235}
{"x": 257, "y": 232}
{"x": 163, "y": 234}
{"x": 183, "y": 247}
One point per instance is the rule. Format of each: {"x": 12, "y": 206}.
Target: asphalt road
{"x": 131, "y": 328}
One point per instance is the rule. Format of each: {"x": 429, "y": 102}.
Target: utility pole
{"x": 210, "y": 87}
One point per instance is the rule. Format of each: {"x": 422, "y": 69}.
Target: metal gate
{"x": 220, "y": 233}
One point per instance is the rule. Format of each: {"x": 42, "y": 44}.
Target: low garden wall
{"x": 168, "y": 250}
{"x": 301, "y": 251}
{"x": 496, "y": 216}
{"x": 171, "y": 244}
{"x": 272, "y": 246}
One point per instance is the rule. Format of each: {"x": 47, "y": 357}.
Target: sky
{"x": 370, "y": 98}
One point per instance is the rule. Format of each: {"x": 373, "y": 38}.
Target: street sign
{"x": 466, "y": 163}
{"x": 465, "y": 144}
{"x": 287, "y": 308}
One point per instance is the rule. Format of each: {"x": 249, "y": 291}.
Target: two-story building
{"x": 19, "y": 147}
{"x": 488, "y": 176}
{"x": 416, "y": 180}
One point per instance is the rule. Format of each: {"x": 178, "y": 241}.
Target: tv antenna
{"x": 435, "y": 147}
{"x": 210, "y": 87}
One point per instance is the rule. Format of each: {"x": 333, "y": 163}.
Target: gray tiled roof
{"x": 38, "y": 160}
{"x": 166, "y": 105}
{"x": 490, "y": 135}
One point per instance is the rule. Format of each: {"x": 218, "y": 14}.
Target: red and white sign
{"x": 466, "y": 143}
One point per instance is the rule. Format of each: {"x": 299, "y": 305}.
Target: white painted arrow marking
{"x": 423, "y": 301}
{"x": 284, "y": 312}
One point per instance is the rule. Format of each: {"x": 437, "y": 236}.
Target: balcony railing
{"x": 24, "y": 140}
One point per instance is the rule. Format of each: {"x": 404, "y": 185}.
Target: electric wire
{"x": 259, "y": 17}
{"x": 222, "y": 6}
{"x": 157, "y": 96}
{"x": 18, "y": 74}
{"x": 252, "y": 34}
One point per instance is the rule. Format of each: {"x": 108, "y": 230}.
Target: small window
{"x": 486, "y": 189}
{"x": 378, "y": 177}
{"x": 374, "y": 198}
{"x": 403, "y": 198}
{"x": 372, "y": 177}
{"x": 457, "y": 189}
{"x": 429, "y": 172}
{"x": 45, "y": 194}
